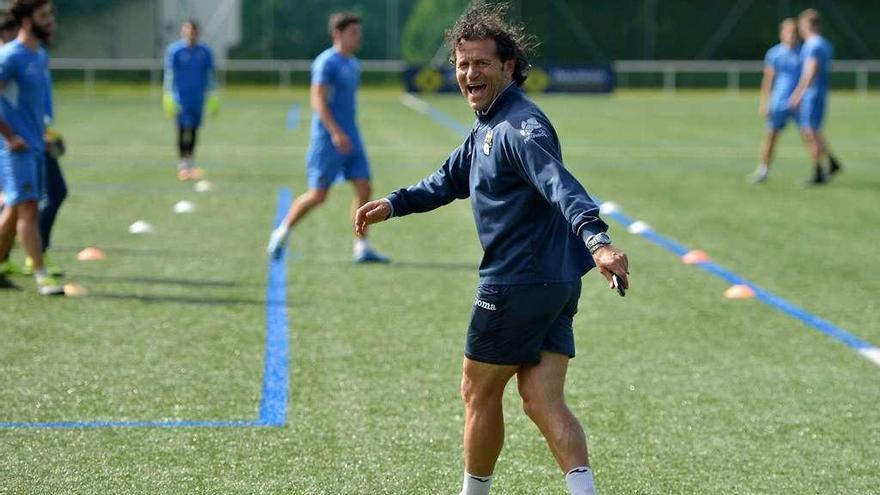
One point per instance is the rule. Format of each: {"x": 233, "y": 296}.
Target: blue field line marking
{"x": 273, "y": 401}
{"x": 293, "y": 117}
{"x": 273, "y": 404}
{"x": 866, "y": 349}
{"x": 85, "y": 425}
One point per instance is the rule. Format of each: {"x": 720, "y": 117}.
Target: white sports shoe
{"x": 277, "y": 243}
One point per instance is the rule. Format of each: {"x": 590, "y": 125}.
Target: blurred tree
{"x": 424, "y": 30}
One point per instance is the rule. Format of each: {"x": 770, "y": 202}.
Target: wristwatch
{"x": 597, "y": 241}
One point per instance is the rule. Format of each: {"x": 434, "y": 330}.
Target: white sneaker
{"x": 48, "y": 286}
{"x": 277, "y": 243}
{"x": 758, "y": 176}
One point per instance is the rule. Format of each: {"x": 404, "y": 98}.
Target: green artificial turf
{"x": 681, "y": 391}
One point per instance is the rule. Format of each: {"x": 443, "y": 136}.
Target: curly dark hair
{"x": 24, "y": 9}
{"x": 483, "y": 20}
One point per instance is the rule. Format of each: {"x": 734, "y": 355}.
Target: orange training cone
{"x": 73, "y": 290}
{"x": 694, "y": 257}
{"x": 90, "y": 254}
{"x": 739, "y": 292}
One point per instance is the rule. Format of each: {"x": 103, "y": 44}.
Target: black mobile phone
{"x": 618, "y": 285}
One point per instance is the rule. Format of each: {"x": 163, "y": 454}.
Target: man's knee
{"x": 540, "y": 401}
{"x": 477, "y": 394}
{"x": 316, "y": 196}
{"x": 27, "y": 210}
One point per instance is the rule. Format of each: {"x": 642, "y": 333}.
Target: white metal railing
{"x": 668, "y": 68}
{"x": 733, "y": 69}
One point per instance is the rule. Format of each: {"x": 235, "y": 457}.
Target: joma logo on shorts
{"x": 484, "y": 305}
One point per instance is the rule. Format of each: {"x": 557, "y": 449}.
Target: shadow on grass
{"x": 860, "y": 185}
{"x": 164, "y": 281}
{"x": 422, "y": 265}
{"x": 137, "y": 251}
{"x": 193, "y": 300}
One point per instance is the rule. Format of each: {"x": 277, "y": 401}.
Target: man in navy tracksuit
{"x": 540, "y": 233}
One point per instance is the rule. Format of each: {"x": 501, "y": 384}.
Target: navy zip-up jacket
{"x": 532, "y": 215}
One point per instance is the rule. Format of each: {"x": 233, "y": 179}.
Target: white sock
{"x": 41, "y": 274}
{"x": 476, "y": 485}
{"x": 763, "y": 168}
{"x": 361, "y": 245}
{"x": 580, "y": 481}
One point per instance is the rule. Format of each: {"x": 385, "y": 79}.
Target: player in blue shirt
{"x": 811, "y": 95}
{"x": 24, "y": 84}
{"x": 190, "y": 85}
{"x": 540, "y": 233}
{"x": 782, "y": 70}
{"x": 8, "y": 32}
{"x": 336, "y": 149}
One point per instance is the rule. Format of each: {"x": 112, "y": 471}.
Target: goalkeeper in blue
{"x": 190, "y": 86}
{"x": 540, "y": 232}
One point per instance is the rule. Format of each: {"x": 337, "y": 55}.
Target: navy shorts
{"x": 512, "y": 324}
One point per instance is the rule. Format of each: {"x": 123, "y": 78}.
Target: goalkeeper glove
{"x": 170, "y": 105}
{"x": 54, "y": 143}
{"x": 213, "y": 104}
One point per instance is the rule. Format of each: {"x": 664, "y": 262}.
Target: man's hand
{"x": 612, "y": 261}
{"x": 342, "y": 142}
{"x": 795, "y": 101}
{"x": 763, "y": 109}
{"x": 16, "y": 143}
{"x": 372, "y": 212}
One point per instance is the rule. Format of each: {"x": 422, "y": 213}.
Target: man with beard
{"x": 23, "y": 87}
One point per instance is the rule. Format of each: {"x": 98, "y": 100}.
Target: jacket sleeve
{"x": 535, "y": 154}
{"x": 450, "y": 182}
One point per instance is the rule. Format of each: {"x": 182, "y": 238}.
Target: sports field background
{"x": 681, "y": 391}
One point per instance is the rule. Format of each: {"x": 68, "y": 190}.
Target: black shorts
{"x": 512, "y": 324}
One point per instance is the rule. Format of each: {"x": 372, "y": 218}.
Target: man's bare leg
{"x": 815, "y": 150}
{"x": 301, "y": 206}
{"x": 542, "y": 388}
{"x": 768, "y": 146}
{"x": 482, "y": 389}
{"x": 363, "y": 252}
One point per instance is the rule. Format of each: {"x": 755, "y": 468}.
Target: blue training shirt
{"x": 822, "y": 51}
{"x": 192, "y": 73}
{"x": 786, "y": 64}
{"x": 25, "y": 73}
{"x": 49, "y": 118}
{"x": 532, "y": 215}
{"x": 341, "y": 75}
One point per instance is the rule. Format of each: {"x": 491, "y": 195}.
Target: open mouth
{"x": 476, "y": 90}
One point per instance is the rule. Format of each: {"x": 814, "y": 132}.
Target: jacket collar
{"x": 501, "y": 100}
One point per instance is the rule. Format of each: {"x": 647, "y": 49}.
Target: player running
{"x": 538, "y": 228}
{"x": 189, "y": 84}
{"x": 782, "y": 70}
{"x": 811, "y": 94}
{"x": 336, "y": 149}
{"x": 24, "y": 84}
